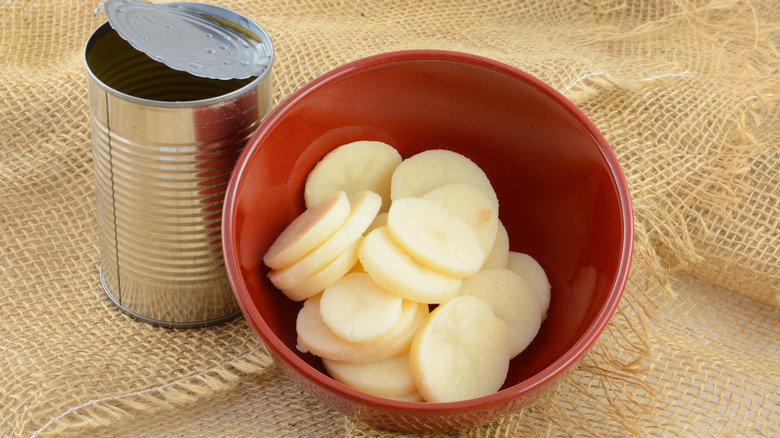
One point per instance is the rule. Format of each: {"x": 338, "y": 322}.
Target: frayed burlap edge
{"x": 120, "y": 407}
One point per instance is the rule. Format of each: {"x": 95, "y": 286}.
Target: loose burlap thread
{"x": 686, "y": 92}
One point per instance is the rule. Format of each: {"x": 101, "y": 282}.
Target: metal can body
{"x": 164, "y": 144}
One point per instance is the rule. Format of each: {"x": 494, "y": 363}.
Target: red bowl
{"x": 563, "y": 200}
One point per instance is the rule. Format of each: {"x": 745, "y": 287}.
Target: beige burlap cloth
{"x": 685, "y": 91}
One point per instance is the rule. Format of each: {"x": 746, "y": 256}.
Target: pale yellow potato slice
{"x": 315, "y": 337}
{"x": 327, "y": 276}
{"x": 357, "y": 309}
{"x": 435, "y": 237}
{"x": 379, "y": 221}
{"x": 499, "y": 254}
{"x": 512, "y": 300}
{"x": 413, "y": 396}
{"x": 532, "y": 272}
{"x": 427, "y": 170}
{"x": 308, "y": 231}
{"x": 391, "y": 377}
{"x": 460, "y": 352}
{"x": 353, "y": 168}
{"x": 400, "y": 338}
{"x": 471, "y": 205}
{"x": 392, "y": 268}
{"x": 365, "y": 206}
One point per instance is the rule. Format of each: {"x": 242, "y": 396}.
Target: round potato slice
{"x": 435, "y": 237}
{"x": 532, "y": 272}
{"x": 400, "y": 338}
{"x": 427, "y": 170}
{"x": 365, "y": 206}
{"x": 353, "y": 168}
{"x": 512, "y": 300}
{"x": 391, "y": 377}
{"x": 413, "y": 396}
{"x": 379, "y": 220}
{"x": 471, "y": 205}
{"x": 392, "y": 268}
{"x": 315, "y": 337}
{"x": 357, "y": 309}
{"x": 327, "y": 276}
{"x": 499, "y": 254}
{"x": 460, "y": 352}
{"x": 308, "y": 231}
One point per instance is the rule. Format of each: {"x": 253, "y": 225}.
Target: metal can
{"x": 164, "y": 143}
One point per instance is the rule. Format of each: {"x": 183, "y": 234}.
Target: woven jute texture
{"x": 686, "y": 92}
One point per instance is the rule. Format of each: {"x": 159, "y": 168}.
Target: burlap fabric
{"x": 686, "y": 92}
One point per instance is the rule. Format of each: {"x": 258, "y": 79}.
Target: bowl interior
{"x": 562, "y": 196}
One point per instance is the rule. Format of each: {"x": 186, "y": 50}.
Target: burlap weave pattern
{"x": 686, "y": 92}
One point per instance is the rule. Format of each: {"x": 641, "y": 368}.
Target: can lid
{"x": 203, "y": 40}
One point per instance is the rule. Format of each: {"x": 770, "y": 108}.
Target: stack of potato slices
{"x": 382, "y": 241}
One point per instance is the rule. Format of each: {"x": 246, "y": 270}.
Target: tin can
{"x": 164, "y": 143}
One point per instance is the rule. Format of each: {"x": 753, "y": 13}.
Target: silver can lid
{"x": 203, "y": 40}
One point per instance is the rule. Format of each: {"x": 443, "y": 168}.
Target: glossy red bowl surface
{"x": 563, "y": 200}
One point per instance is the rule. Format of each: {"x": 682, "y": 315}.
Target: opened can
{"x": 175, "y": 91}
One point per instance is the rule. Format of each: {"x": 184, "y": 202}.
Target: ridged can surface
{"x": 164, "y": 144}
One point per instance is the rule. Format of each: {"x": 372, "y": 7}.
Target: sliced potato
{"x": 353, "y": 168}
{"x": 532, "y": 272}
{"x": 357, "y": 309}
{"x": 435, "y": 237}
{"x": 327, "y": 276}
{"x": 381, "y": 240}
{"x": 413, "y": 396}
{"x": 471, "y": 205}
{"x": 460, "y": 352}
{"x": 392, "y": 268}
{"x": 315, "y": 336}
{"x": 512, "y": 300}
{"x": 391, "y": 377}
{"x": 400, "y": 338}
{"x": 308, "y": 231}
{"x": 379, "y": 221}
{"x": 365, "y": 206}
{"x": 499, "y": 254}
{"x": 427, "y": 170}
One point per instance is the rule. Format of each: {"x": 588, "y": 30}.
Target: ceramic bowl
{"x": 563, "y": 199}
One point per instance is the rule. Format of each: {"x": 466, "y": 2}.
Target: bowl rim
{"x": 528, "y": 386}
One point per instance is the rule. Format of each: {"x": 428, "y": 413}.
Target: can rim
{"x": 255, "y": 29}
